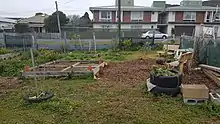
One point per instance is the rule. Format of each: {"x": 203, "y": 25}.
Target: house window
{"x": 189, "y": 16}
{"x": 118, "y": 16}
{"x": 216, "y": 16}
{"x": 208, "y": 17}
{"x": 105, "y": 16}
{"x": 137, "y": 16}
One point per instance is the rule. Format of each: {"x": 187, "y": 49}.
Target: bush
{"x": 3, "y": 51}
{"x": 173, "y": 41}
{"x": 162, "y": 72}
{"x": 126, "y": 44}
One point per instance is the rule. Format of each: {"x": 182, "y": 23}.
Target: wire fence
{"x": 206, "y": 49}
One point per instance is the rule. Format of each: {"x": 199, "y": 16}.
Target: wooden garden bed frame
{"x": 66, "y": 71}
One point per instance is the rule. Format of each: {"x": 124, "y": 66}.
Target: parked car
{"x": 158, "y": 35}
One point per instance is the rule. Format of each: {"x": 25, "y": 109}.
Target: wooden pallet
{"x": 65, "y": 70}
{"x": 213, "y": 76}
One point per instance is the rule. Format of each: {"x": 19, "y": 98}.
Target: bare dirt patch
{"x": 128, "y": 72}
{"x": 199, "y": 77}
{"x": 136, "y": 71}
{"x": 7, "y": 84}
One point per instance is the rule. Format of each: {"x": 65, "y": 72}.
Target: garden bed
{"x": 64, "y": 68}
{"x": 137, "y": 71}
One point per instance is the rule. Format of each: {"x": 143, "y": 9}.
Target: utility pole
{"x": 58, "y": 19}
{"x": 119, "y": 22}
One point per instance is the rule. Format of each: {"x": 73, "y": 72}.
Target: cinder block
{"x": 215, "y": 98}
{"x": 195, "y": 101}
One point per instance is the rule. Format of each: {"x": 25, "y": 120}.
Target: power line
{"x": 69, "y": 1}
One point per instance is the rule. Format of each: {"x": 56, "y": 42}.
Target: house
{"x": 36, "y": 23}
{"x": 188, "y": 17}
{"x": 213, "y": 3}
{"x": 7, "y": 25}
{"x": 132, "y": 17}
{"x": 184, "y": 18}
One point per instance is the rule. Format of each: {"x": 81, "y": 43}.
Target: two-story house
{"x": 185, "y": 18}
{"x": 132, "y": 17}
{"x": 6, "y": 24}
{"x": 188, "y": 17}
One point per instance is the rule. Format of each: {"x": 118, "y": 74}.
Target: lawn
{"x": 108, "y": 100}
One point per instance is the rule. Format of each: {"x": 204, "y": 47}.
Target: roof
{"x": 126, "y": 8}
{"x": 34, "y": 19}
{"x": 191, "y": 8}
{"x": 6, "y": 20}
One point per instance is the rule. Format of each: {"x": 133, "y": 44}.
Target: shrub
{"x": 162, "y": 72}
{"x": 3, "y": 51}
{"x": 126, "y": 44}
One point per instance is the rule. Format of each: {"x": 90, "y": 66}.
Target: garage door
{"x": 188, "y": 30}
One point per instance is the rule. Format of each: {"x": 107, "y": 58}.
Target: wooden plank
{"x": 82, "y": 61}
{"x": 53, "y": 66}
{"x": 65, "y": 69}
{"x": 85, "y": 66}
{"x": 212, "y": 76}
{"x": 210, "y": 67}
{"x": 32, "y": 68}
{"x": 216, "y": 74}
{"x": 171, "y": 47}
{"x": 97, "y": 69}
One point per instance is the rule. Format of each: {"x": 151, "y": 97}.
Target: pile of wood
{"x": 212, "y": 72}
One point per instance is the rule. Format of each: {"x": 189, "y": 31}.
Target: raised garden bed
{"x": 64, "y": 68}
{"x": 164, "y": 81}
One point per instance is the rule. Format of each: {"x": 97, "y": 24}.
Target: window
{"x": 137, "y": 16}
{"x": 216, "y": 16}
{"x": 117, "y": 16}
{"x": 189, "y": 16}
{"x": 105, "y": 16}
{"x": 208, "y": 17}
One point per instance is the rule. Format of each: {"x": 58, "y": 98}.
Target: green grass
{"x": 87, "y": 101}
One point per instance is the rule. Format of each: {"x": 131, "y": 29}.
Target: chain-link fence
{"x": 206, "y": 49}
{"x": 18, "y": 41}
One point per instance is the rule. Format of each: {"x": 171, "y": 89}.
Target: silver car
{"x": 158, "y": 35}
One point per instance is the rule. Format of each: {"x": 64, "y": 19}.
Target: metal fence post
{"x": 94, "y": 40}
{"x": 65, "y": 43}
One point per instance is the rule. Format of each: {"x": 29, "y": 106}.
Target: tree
{"x": 22, "y": 28}
{"x": 51, "y": 22}
{"x": 85, "y": 20}
{"x": 74, "y": 19}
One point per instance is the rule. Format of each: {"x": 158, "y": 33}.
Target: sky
{"x": 27, "y": 8}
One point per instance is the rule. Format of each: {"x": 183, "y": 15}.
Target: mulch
{"x": 136, "y": 71}
{"x": 128, "y": 72}
{"x": 199, "y": 77}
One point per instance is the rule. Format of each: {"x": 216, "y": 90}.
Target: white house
{"x": 7, "y": 24}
